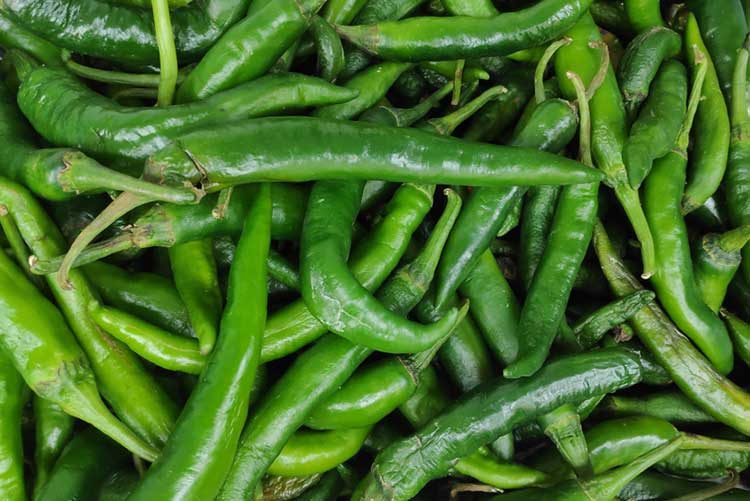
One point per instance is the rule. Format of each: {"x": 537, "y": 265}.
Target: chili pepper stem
{"x": 457, "y": 80}
{"x": 445, "y": 125}
{"x": 701, "y": 442}
{"x": 631, "y": 203}
{"x": 83, "y": 174}
{"x": 418, "y": 362}
{"x": 541, "y": 67}
{"x": 126, "y": 241}
{"x": 712, "y": 491}
{"x": 167, "y": 52}
{"x": 695, "y": 98}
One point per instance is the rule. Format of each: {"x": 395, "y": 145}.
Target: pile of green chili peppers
{"x": 378, "y": 250}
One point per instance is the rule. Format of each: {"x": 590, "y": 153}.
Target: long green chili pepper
{"x": 740, "y": 332}
{"x": 249, "y": 48}
{"x": 674, "y": 281}
{"x": 48, "y": 98}
{"x": 608, "y": 122}
{"x": 314, "y": 376}
{"x": 655, "y": 131}
{"x": 538, "y": 211}
{"x": 196, "y": 280}
{"x": 124, "y": 33}
{"x": 84, "y": 464}
{"x": 60, "y": 372}
{"x": 403, "y": 468}
{"x": 141, "y": 404}
{"x": 671, "y": 406}
{"x": 53, "y": 431}
{"x": 691, "y": 372}
{"x": 641, "y": 62}
{"x": 590, "y": 329}
{"x": 434, "y": 38}
{"x": 199, "y": 451}
{"x": 716, "y": 259}
{"x": 12, "y": 399}
{"x": 643, "y": 14}
{"x": 708, "y": 159}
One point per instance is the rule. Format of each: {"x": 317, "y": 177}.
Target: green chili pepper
{"x": 474, "y": 8}
{"x": 644, "y": 14}
{"x": 83, "y": 466}
{"x": 196, "y": 280}
{"x": 314, "y": 376}
{"x": 403, "y": 468}
{"x": 740, "y": 333}
{"x": 277, "y": 488}
{"x": 671, "y": 406}
{"x": 641, "y": 62}
{"x": 652, "y": 486}
{"x": 674, "y": 281}
{"x": 330, "y": 51}
{"x": 310, "y": 452}
{"x": 141, "y": 404}
{"x": 53, "y": 431}
{"x": 60, "y": 372}
{"x": 655, "y": 131}
{"x": 199, "y": 452}
{"x": 13, "y": 396}
{"x": 590, "y": 329}
{"x": 118, "y": 485}
{"x": 124, "y": 33}
{"x": 401, "y": 117}
{"x": 15, "y": 36}
{"x": 48, "y": 97}
{"x": 611, "y": 15}
{"x": 691, "y": 372}
{"x": 432, "y": 38}
{"x": 329, "y": 487}
{"x": 538, "y": 211}
{"x": 716, "y": 258}
{"x": 708, "y": 159}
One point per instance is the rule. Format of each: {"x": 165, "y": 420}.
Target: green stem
{"x": 695, "y": 98}
{"x": 109, "y": 76}
{"x": 457, "y": 81}
{"x": 541, "y": 67}
{"x": 167, "y": 52}
{"x": 92, "y": 253}
{"x": 714, "y": 490}
{"x": 584, "y": 129}
{"x": 739, "y": 114}
{"x": 601, "y": 73}
{"x": 701, "y": 442}
{"x": 447, "y": 124}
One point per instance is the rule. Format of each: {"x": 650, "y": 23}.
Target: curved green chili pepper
{"x": 83, "y": 466}
{"x": 740, "y": 333}
{"x": 124, "y": 33}
{"x": 644, "y": 14}
{"x": 433, "y": 38}
{"x": 674, "y": 281}
{"x": 708, "y": 158}
{"x": 641, "y": 61}
{"x": 15, "y": 36}
{"x": 60, "y": 372}
{"x": 671, "y": 406}
{"x": 196, "y": 280}
{"x": 53, "y": 431}
{"x": 655, "y": 131}
{"x": 330, "y": 51}
{"x": 48, "y": 97}
{"x": 199, "y": 452}
{"x": 691, "y": 372}
{"x": 13, "y": 396}
{"x": 716, "y": 259}
{"x": 538, "y": 211}
{"x": 310, "y": 452}
{"x": 403, "y": 468}
{"x": 590, "y": 329}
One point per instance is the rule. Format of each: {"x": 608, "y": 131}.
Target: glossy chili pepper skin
{"x": 671, "y": 406}
{"x": 48, "y": 97}
{"x": 740, "y": 332}
{"x": 643, "y": 14}
{"x": 641, "y": 62}
{"x": 449, "y": 437}
{"x": 310, "y": 452}
{"x": 654, "y": 132}
{"x": 538, "y": 211}
{"x": 249, "y": 48}
{"x": 12, "y": 399}
{"x": 432, "y": 38}
{"x": 123, "y": 33}
{"x": 690, "y": 370}
{"x": 716, "y": 259}
{"x": 331, "y": 57}
{"x": 15, "y": 36}
{"x": 711, "y": 132}
{"x": 53, "y": 431}
{"x": 84, "y": 464}
{"x": 199, "y": 452}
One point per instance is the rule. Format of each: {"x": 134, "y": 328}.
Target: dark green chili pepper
{"x": 433, "y": 38}
{"x": 641, "y": 62}
{"x": 590, "y": 329}
{"x": 716, "y": 259}
{"x": 15, "y": 36}
{"x": 124, "y": 33}
{"x": 309, "y": 452}
{"x": 671, "y": 406}
{"x": 611, "y": 15}
{"x": 282, "y": 270}
{"x": 643, "y": 14}
{"x": 708, "y": 158}
{"x": 674, "y": 281}
{"x": 48, "y": 97}
{"x": 342, "y": 11}
{"x": 655, "y": 131}
{"x": 329, "y": 487}
{"x": 403, "y": 468}
{"x": 13, "y": 396}
{"x": 691, "y": 372}
{"x": 652, "y": 486}
{"x": 740, "y": 333}
{"x": 249, "y": 48}
{"x": 164, "y": 349}
{"x": 313, "y": 377}
{"x": 197, "y": 282}
{"x": 538, "y": 211}
{"x": 723, "y": 27}
{"x": 608, "y": 121}
{"x": 60, "y": 372}
{"x": 84, "y": 464}
{"x": 53, "y": 431}
{"x": 199, "y": 451}
{"x": 118, "y": 485}
{"x": 330, "y": 51}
